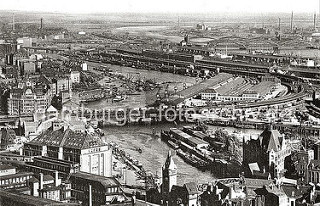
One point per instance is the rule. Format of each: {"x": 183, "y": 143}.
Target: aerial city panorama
{"x": 159, "y": 103}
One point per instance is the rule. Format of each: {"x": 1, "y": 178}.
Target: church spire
{"x": 169, "y": 177}
{"x": 169, "y": 164}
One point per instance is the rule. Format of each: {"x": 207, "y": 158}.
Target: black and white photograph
{"x": 159, "y": 103}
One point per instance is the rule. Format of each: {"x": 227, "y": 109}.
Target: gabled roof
{"x": 47, "y": 178}
{"x": 67, "y": 138}
{"x": 271, "y": 190}
{"x": 314, "y": 164}
{"x": 225, "y": 189}
{"x": 52, "y": 109}
{"x": 250, "y": 92}
{"x": 275, "y": 190}
{"x": 254, "y": 167}
{"x": 178, "y": 189}
{"x": 9, "y": 135}
{"x": 33, "y": 179}
{"x": 191, "y": 188}
{"x": 30, "y": 200}
{"x": 294, "y": 191}
{"x": 105, "y": 181}
{"x": 271, "y": 140}
{"x": 45, "y": 80}
{"x": 209, "y": 90}
{"x": 255, "y": 183}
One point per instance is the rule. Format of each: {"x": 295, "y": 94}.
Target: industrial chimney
{"x": 41, "y": 181}
{"x": 90, "y": 195}
{"x": 291, "y": 22}
{"x": 56, "y": 178}
{"x": 13, "y": 23}
{"x": 314, "y": 21}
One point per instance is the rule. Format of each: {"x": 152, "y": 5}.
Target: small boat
{"x": 118, "y": 98}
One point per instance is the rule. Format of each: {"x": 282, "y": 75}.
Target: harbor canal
{"x": 154, "y": 151}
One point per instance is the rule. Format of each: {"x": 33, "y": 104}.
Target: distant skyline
{"x": 162, "y": 6}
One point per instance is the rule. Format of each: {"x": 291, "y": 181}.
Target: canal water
{"x": 173, "y": 81}
{"x": 154, "y": 151}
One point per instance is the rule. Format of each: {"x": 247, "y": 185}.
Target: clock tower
{"x": 169, "y": 177}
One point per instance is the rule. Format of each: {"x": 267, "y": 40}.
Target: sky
{"x": 162, "y": 6}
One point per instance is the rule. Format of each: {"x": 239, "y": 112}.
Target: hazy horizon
{"x": 163, "y": 6}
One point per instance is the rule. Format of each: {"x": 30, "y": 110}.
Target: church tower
{"x": 169, "y": 176}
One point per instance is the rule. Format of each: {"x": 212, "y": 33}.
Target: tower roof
{"x": 169, "y": 164}
{"x": 271, "y": 139}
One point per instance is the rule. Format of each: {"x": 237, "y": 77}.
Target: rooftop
{"x": 6, "y": 167}
{"x": 255, "y": 183}
{"x": 272, "y": 139}
{"x": 105, "y": 181}
{"x": 20, "y": 174}
{"x": 191, "y": 188}
{"x": 314, "y": 164}
{"x": 29, "y": 200}
{"x": 67, "y": 138}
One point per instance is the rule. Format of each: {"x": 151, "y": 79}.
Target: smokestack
{"x": 56, "y": 178}
{"x": 279, "y": 24}
{"x": 314, "y": 21}
{"x": 41, "y": 181}
{"x": 13, "y": 23}
{"x": 41, "y": 24}
{"x": 90, "y": 195}
{"x": 291, "y": 22}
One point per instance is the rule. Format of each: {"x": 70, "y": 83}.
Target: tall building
{"x": 169, "y": 177}
{"x": 93, "y": 155}
{"x": 265, "y": 154}
{"x": 28, "y": 100}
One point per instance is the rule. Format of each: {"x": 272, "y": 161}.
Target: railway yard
{"x": 138, "y": 90}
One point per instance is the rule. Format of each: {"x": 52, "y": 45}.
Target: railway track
{"x": 280, "y": 100}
